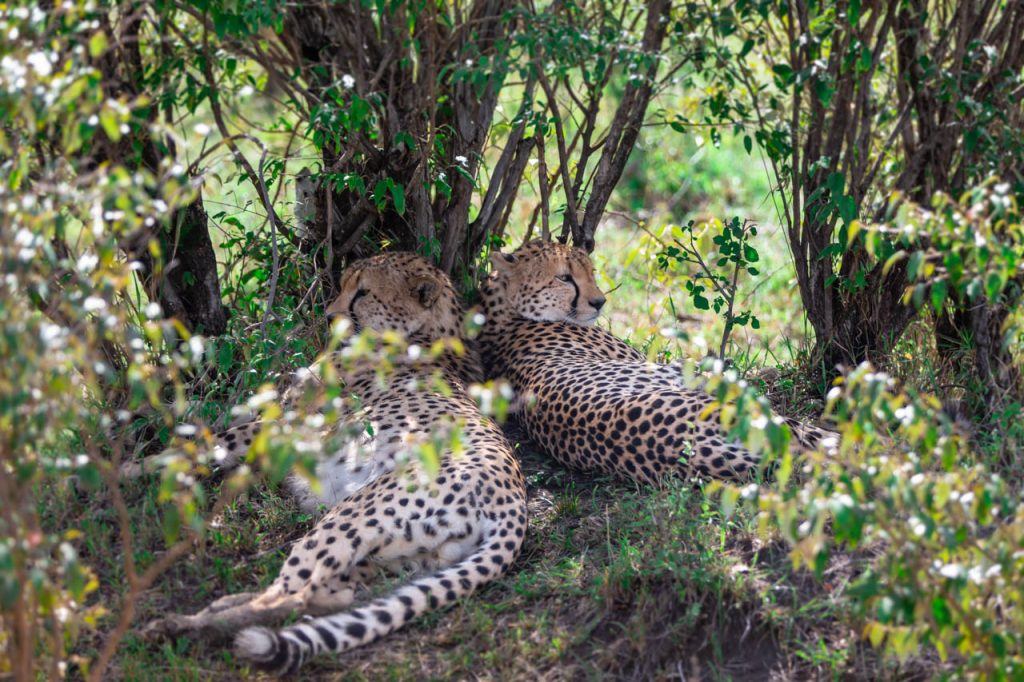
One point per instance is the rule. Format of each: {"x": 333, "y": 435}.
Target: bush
{"x": 944, "y": 533}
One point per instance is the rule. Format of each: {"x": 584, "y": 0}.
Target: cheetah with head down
{"x": 588, "y": 399}
{"x": 463, "y": 522}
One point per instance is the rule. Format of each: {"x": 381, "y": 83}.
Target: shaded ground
{"x": 614, "y": 582}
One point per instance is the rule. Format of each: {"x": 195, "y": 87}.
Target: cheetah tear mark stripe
{"x": 284, "y": 652}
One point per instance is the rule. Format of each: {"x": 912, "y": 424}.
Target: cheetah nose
{"x": 598, "y": 302}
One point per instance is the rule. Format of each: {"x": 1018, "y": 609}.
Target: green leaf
{"x": 398, "y": 196}
{"x": 700, "y": 302}
{"x": 941, "y": 612}
{"x": 847, "y": 208}
{"x": 893, "y": 260}
{"x": 171, "y": 524}
{"x": 380, "y": 191}
{"x": 97, "y": 44}
{"x": 784, "y": 72}
{"x": 939, "y": 291}
{"x": 853, "y": 12}
{"x": 971, "y": 138}
{"x": 835, "y": 182}
{"x": 108, "y": 119}
{"x": 824, "y": 91}
{"x": 914, "y": 265}
{"x": 748, "y": 144}
{"x": 998, "y": 644}
{"x": 403, "y": 137}
{"x": 993, "y": 286}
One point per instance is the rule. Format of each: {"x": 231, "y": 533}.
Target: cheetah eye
{"x": 564, "y": 278}
{"x": 359, "y": 294}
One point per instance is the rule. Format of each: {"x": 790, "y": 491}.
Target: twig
{"x": 571, "y": 216}
{"x": 136, "y": 584}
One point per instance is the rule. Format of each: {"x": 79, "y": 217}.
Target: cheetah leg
{"x": 228, "y": 449}
{"x": 284, "y": 651}
{"x": 305, "y": 585}
{"x": 226, "y": 615}
{"x": 230, "y": 600}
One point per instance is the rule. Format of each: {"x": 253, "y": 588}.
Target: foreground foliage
{"x": 901, "y": 555}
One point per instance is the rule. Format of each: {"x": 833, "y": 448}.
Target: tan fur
{"x": 395, "y": 292}
{"x": 590, "y": 400}
{"x": 465, "y": 522}
{"x": 550, "y": 282}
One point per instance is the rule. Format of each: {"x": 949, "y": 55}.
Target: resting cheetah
{"x": 411, "y": 299}
{"x": 584, "y": 396}
{"x": 465, "y": 522}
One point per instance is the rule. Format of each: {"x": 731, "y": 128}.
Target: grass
{"x": 613, "y": 582}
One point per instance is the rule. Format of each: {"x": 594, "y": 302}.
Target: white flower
{"x": 50, "y": 334}
{"x": 905, "y": 414}
{"x": 195, "y": 345}
{"x": 94, "y": 303}
{"x": 153, "y": 311}
{"x": 87, "y": 262}
{"x": 348, "y": 82}
{"x": 201, "y": 129}
{"x": 262, "y": 397}
{"x": 461, "y": 160}
{"x": 40, "y": 64}
{"x": 952, "y": 571}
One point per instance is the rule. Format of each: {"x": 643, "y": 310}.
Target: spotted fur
{"x": 463, "y": 524}
{"x": 588, "y": 399}
{"x": 399, "y": 292}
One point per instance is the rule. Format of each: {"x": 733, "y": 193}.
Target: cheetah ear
{"x": 502, "y": 262}
{"x": 426, "y": 289}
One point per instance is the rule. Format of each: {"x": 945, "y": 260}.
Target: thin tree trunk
{"x": 185, "y": 282}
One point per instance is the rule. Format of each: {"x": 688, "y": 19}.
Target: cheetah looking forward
{"x": 585, "y": 397}
{"x": 464, "y": 521}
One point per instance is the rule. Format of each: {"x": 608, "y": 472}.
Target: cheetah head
{"x": 548, "y": 282}
{"x": 399, "y": 292}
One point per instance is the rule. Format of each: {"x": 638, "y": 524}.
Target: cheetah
{"x": 407, "y": 287}
{"x": 588, "y": 399}
{"x": 464, "y": 522}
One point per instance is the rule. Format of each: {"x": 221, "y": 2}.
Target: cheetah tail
{"x": 283, "y": 652}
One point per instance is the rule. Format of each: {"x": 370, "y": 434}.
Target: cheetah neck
{"x": 498, "y": 319}
{"x": 497, "y": 313}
